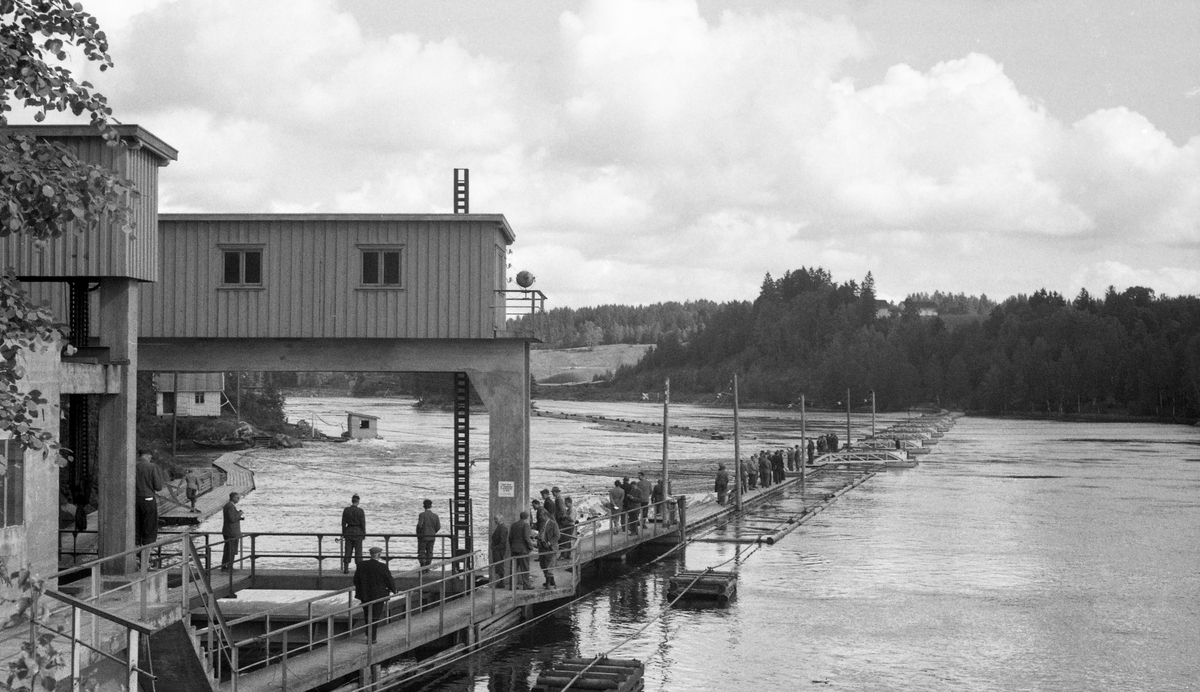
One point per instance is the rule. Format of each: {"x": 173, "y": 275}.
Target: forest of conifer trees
{"x": 1128, "y": 352}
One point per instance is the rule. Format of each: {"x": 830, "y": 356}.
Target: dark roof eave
{"x": 135, "y": 134}
{"x": 498, "y": 219}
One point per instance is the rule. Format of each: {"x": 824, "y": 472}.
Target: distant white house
{"x": 362, "y": 426}
{"x": 883, "y": 309}
{"x": 199, "y": 393}
{"x": 924, "y": 308}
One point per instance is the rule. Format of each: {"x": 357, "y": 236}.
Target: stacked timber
{"x": 710, "y": 584}
{"x": 621, "y": 675}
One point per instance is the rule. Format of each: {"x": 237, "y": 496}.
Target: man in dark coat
{"x": 520, "y": 544}
{"x": 548, "y": 550}
{"x": 231, "y": 530}
{"x": 428, "y": 525}
{"x": 721, "y": 485}
{"x": 499, "y": 550}
{"x": 354, "y": 530}
{"x": 372, "y": 582}
{"x": 812, "y": 448}
{"x": 566, "y": 527}
{"x": 147, "y": 483}
{"x": 633, "y": 505}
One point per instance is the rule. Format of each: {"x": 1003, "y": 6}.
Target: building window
{"x": 381, "y": 267}
{"x": 12, "y": 485}
{"x": 199, "y": 397}
{"x": 243, "y": 268}
{"x": 364, "y": 425}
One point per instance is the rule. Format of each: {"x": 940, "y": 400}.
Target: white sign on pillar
{"x": 506, "y": 489}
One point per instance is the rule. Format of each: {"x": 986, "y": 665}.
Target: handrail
{"x": 112, "y": 558}
{"x": 99, "y": 612}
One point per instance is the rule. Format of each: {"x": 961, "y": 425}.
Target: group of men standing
{"x": 629, "y": 502}
{"x": 766, "y": 468}
{"x": 550, "y": 532}
{"x": 373, "y": 581}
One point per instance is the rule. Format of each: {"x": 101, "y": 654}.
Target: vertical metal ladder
{"x": 460, "y": 537}
{"x": 462, "y": 191}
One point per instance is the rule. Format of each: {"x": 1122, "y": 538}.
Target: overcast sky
{"x": 679, "y": 149}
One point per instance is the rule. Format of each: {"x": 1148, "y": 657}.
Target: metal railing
{"x": 440, "y": 584}
{"x": 666, "y": 521}
{"x": 110, "y": 612}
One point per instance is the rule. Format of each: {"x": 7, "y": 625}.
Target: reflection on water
{"x": 1018, "y": 555}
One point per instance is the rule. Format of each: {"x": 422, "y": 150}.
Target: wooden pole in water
{"x": 872, "y": 414}
{"x": 666, "y": 436}
{"x": 803, "y": 441}
{"x": 847, "y": 416}
{"x": 737, "y": 450}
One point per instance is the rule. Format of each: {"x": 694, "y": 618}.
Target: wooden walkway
{"x": 172, "y": 502}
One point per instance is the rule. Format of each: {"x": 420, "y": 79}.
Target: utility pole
{"x": 872, "y": 414}
{"x": 666, "y": 434}
{"x": 803, "y": 441}
{"x": 737, "y": 449}
{"x": 847, "y": 416}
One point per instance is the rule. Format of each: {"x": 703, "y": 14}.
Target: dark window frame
{"x": 381, "y": 267}
{"x": 240, "y": 273}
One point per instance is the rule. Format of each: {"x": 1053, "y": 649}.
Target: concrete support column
{"x": 505, "y": 392}
{"x": 118, "y": 331}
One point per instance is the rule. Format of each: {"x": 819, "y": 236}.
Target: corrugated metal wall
{"x": 103, "y": 250}
{"x": 311, "y": 279}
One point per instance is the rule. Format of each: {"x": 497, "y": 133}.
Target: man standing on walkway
{"x": 499, "y": 550}
{"x": 633, "y": 505}
{"x": 548, "y": 550}
{"x": 354, "y": 530}
{"x": 372, "y": 582}
{"x": 147, "y": 481}
{"x": 520, "y": 543}
{"x": 722, "y": 484}
{"x": 191, "y": 485}
{"x": 428, "y": 525}
{"x": 646, "y": 490}
{"x": 616, "y": 504}
{"x": 231, "y": 530}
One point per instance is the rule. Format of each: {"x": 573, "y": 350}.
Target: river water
{"x": 1020, "y": 555}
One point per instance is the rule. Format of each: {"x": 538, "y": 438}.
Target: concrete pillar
{"x": 118, "y": 330}
{"x": 505, "y": 392}
{"x": 39, "y": 549}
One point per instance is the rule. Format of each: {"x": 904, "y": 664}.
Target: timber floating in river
{"x": 709, "y": 584}
{"x": 620, "y": 675}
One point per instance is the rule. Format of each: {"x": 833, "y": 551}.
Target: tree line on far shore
{"x": 1125, "y": 352}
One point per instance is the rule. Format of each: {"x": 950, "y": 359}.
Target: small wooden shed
{"x": 361, "y": 426}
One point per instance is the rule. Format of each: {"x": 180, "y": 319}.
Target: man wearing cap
{"x": 499, "y": 550}
{"x": 354, "y": 530}
{"x": 428, "y": 525}
{"x": 372, "y": 582}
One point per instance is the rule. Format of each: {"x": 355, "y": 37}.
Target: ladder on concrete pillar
{"x": 460, "y": 537}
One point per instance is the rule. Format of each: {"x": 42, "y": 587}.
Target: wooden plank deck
{"x": 352, "y": 653}
{"x": 172, "y": 503}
